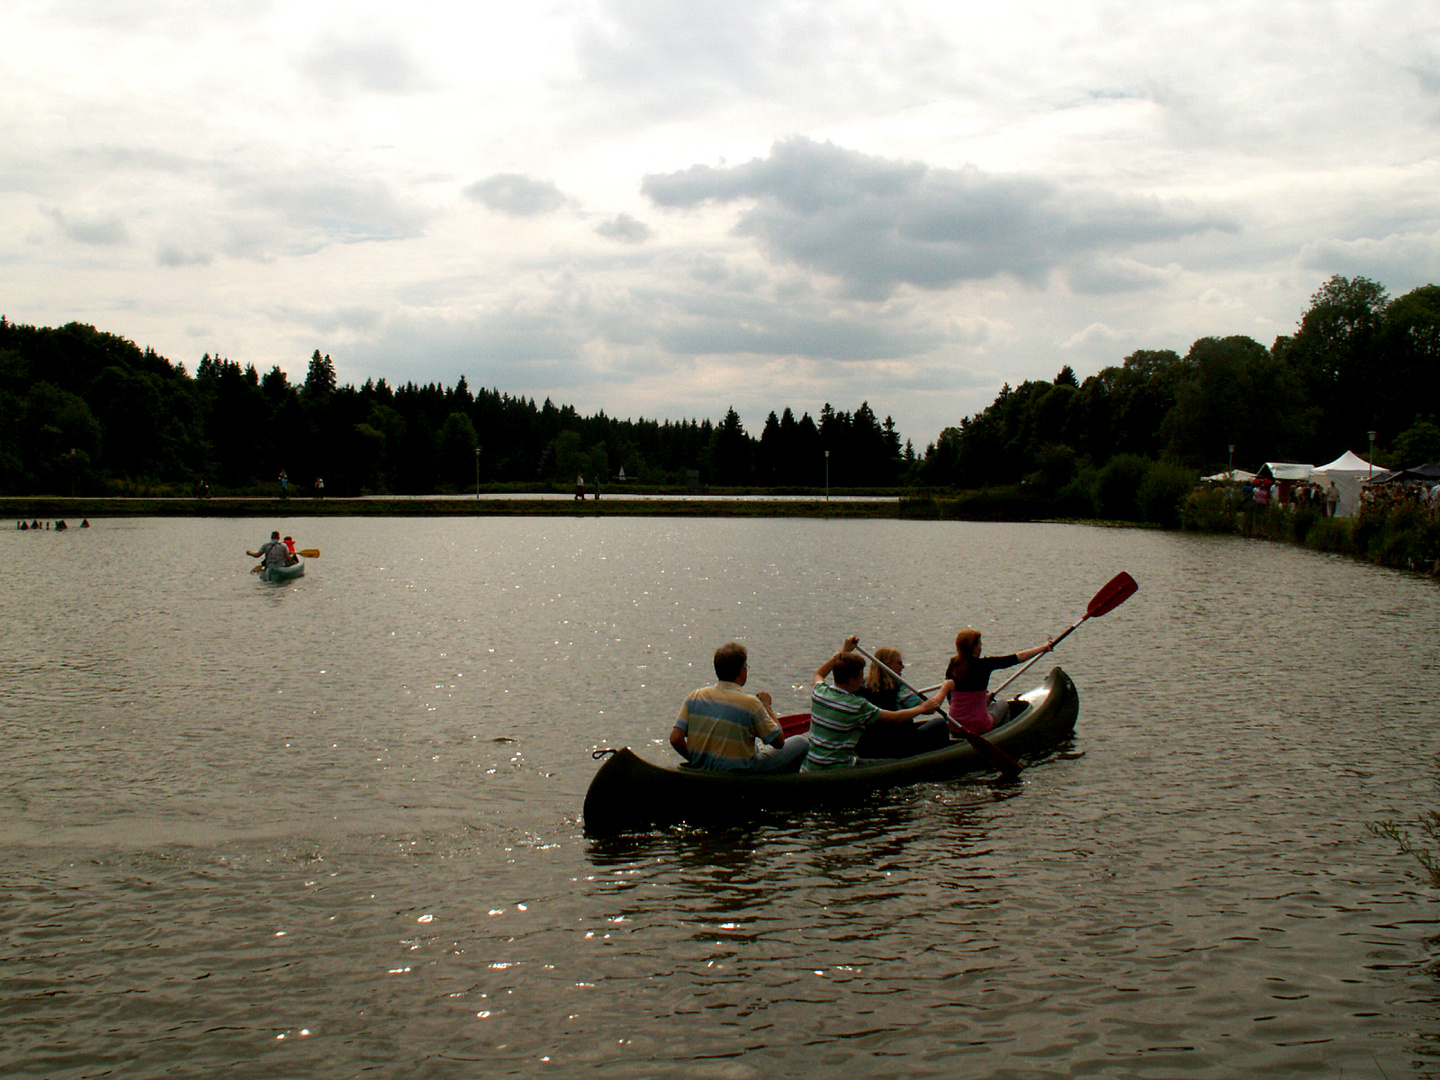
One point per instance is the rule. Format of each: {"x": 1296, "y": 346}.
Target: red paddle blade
{"x": 795, "y": 724}
{"x": 1119, "y": 589}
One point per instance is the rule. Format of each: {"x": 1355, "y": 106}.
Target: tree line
{"x": 86, "y": 412}
{"x": 1129, "y": 441}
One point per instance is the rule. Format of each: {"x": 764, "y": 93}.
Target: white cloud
{"x": 378, "y": 65}
{"x": 105, "y": 230}
{"x": 1401, "y": 261}
{"x": 624, "y": 228}
{"x": 877, "y": 224}
{"x": 517, "y": 195}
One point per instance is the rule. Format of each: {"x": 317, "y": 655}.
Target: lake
{"x": 331, "y": 827}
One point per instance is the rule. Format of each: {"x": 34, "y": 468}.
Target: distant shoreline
{"x": 30, "y": 508}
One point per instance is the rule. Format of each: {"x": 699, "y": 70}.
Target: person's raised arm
{"x": 1030, "y": 654}
{"x": 677, "y": 740}
{"x": 824, "y": 669}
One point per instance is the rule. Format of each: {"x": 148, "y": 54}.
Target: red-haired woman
{"x": 970, "y": 708}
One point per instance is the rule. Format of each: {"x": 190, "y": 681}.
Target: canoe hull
{"x": 285, "y": 573}
{"x": 629, "y": 792}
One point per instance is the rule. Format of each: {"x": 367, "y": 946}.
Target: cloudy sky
{"x": 663, "y": 209}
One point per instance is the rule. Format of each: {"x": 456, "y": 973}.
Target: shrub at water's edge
{"x": 1403, "y": 537}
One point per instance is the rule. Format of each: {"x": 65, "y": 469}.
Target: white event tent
{"x": 1288, "y": 470}
{"x": 1232, "y": 476}
{"x": 1347, "y": 472}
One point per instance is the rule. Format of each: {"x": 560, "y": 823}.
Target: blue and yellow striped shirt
{"x": 721, "y": 724}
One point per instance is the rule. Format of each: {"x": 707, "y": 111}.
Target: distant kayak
{"x": 630, "y": 792}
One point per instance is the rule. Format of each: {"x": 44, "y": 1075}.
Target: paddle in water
{"x": 1116, "y": 591}
{"x": 1008, "y": 766}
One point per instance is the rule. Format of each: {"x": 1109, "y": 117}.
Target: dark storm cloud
{"x": 517, "y": 195}
{"x": 877, "y": 223}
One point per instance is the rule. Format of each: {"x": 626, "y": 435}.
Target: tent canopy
{"x": 1346, "y": 463}
{"x": 1286, "y": 470}
{"x": 1236, "y": 476}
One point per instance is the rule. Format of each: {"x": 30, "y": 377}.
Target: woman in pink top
{"x": 969, "y": 702}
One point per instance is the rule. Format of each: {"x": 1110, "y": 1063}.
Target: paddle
{"x": 309, "y": 553}
{"x": 1007, "y": 765}
{"x": 1115, "y": 592}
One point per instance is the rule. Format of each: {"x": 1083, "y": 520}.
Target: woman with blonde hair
{"x": 897, "y": 740}
{"x": 970, "y": 707}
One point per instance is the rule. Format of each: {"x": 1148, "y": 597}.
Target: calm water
{"x": 331, "y": 828}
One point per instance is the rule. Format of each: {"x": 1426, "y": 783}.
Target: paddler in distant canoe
{"x": 272, "y": 551}
{"x": 718, "y": 725}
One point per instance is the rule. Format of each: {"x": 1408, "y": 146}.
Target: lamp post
{"x": 1371, "y": 462}
{"x": 1231, "y": 466}
{"x": 827, "y": 475}
{"x": 477, "y": 472}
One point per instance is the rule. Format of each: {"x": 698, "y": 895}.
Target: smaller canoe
{"x": 285, "y": 573}
{"x": 629, "y": 792}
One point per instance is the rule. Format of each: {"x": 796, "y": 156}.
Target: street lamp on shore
{"x": 1371, "y": 462}
{"x": 827, "y": 475}
{"x": 477, "y": 472}
{"x": 1232, "y": 461}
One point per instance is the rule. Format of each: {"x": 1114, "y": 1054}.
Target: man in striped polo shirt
{"x": 838, "y": 714}
{"x": 719, "y": 724}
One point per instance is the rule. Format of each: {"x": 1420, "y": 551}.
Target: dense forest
{"x": 87, "y": 412}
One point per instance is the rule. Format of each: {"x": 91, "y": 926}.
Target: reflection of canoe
{"x": 285, "y": 573}
{"x": 629, "y": 791}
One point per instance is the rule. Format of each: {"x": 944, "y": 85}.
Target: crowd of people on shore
{"x": 1263, "y": 492}
{"x": 855, "y": 715}
{"x": 1387, "y": 496}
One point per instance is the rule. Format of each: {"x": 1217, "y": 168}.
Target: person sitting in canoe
{"x": 838, "y": 714}
{"x": 290, "y": 557}
{"x": 970, "y": 706}
{"x": 719, "y": 724}
{"x": 896, "y": 740}
{"x": 272, "y": 551}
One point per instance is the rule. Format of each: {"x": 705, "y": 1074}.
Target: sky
{"x": 667, "y": 209}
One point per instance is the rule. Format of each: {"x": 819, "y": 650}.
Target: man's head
{"x": 730, "y": 661}
{"x": 848, "y": 670}
{"x": 275, "y": 535}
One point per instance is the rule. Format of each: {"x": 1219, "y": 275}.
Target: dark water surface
{"x": 331, "y": 828}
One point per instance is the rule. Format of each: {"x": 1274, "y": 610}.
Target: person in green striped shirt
{"x": 838, "y": 714}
